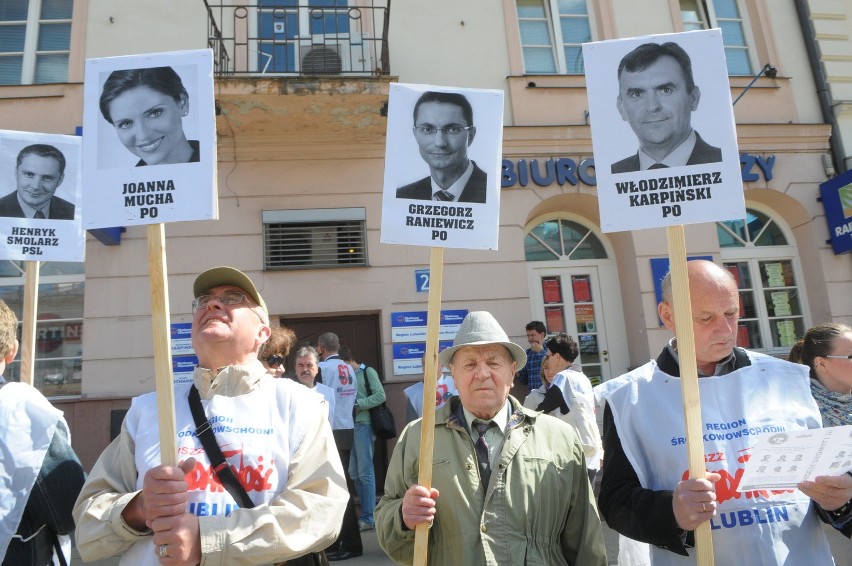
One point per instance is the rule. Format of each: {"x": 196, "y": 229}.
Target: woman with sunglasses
{"x": 273, "y": 353}
{"x": 827, "y": 350}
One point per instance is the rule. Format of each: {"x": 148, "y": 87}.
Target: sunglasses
{"x": 275, "y": 361}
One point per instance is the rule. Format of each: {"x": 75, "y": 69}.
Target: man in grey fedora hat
{"x": 509, "y": 485}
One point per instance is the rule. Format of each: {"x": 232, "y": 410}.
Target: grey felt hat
{"x": 224, "y": 275}
{"x": 480, "y": 328}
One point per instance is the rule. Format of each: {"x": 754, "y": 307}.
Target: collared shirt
{"x": 530, "y": 374}
{"x": 29, "y": 211}
{"x": 723, "y": 367}
{"x": 494, "y": 436}
{"x": 677, "y": 158}
{"x": 456, "y": 188}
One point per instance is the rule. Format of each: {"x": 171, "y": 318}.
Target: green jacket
{"x": 363, "y": 403}
{"x": 538, "y": 509}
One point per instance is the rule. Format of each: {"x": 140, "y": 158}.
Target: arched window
{"x": 562, "y": 239}
{"x": 758, "y": 253}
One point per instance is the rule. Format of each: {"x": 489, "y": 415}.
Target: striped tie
{"x": 442, "y": 195}
{"x": 39, "y": 214}
{"x": 482, "y": 455}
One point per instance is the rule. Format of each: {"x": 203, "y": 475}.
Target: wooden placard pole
{"x": 162, "y": 350}
{"x": 688, "y": 377}
{"x": 430, "y": 381}
{"x": 28, "y": 329}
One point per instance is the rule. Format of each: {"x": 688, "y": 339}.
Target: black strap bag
{"x": 380, "y": 416}
{"x": 226, "y": 475}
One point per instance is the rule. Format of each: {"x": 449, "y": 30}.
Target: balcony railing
{"x": 299, "y": 37}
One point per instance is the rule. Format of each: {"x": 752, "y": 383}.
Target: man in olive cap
{"x": 274, "y": 434}
{"x": 509, "y": 485}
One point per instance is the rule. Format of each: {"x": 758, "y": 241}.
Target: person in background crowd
{"x": 340, "y": 376}
{"x": 277, "y": 441}
{"x": 827, "y": 351}
{"x": 509, "y": 485}
{"x": 445, "y": 388}
{"x": 530, "y": 374}
{"x": 273, "y": 353}
{"x": 643, "y": 492}
{"x": 361, "y": 460}
{"x": 572, "y": 399}
{"x": 307, "y": 369}
{"x": 536, "y": 396}
{"x": 40, "y": 475}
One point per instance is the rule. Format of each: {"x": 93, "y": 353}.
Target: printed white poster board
{"x": 665, "y": 145}
{"x": 442, "y": 139}
{"x": 149, "y": 139}
{"x": 40, "y": 208}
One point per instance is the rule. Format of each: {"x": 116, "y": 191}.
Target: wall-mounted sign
{"x": 421, "y": 280}
{"x": 181, "y": 338}
{"x": 408, "y": 357}
{"x": 411, "y": 326}
{"x": 837, "y": 201}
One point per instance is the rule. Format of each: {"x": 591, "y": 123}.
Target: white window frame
{"x": 554, "y": 24}
{"x": 712, "y": 21}
{"x": 30, "y": 53}
{"x": 753, "y": 256}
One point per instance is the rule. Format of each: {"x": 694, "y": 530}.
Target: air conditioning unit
{"x": 332, "y": 55}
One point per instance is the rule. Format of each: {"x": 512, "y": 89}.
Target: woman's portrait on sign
{"x": 149, "y": 110}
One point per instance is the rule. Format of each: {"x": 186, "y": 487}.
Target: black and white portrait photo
{"x": 657, "y": 95}
{"x": 146, "y": 109}
{"x": 40, "y": 197}
{"x": 663, "y": 130}
{"x": 443, "y": 126}
{"x": 39, "y": 171}
{"x": 444, "y": 147}
{"x": 149, "y": 139}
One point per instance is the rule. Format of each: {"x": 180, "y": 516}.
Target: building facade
{"x": 301, "y": 89}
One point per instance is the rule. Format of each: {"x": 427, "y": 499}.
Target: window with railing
{"x": 35, "y": 41}
{"x": 765, "y": 264}
{"x": 552, "y": 33}
{"x": 299, "y": 37}
{"x": 729, "y": 17}
{"x": 59, "y": 324}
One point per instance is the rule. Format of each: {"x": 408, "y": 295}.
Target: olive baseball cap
{"x": 224, "y": 275}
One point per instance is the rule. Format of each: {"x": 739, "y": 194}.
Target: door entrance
{"x": 585, "y": 303}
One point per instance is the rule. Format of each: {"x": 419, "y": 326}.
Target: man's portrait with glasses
{"x": 444, "y": 129}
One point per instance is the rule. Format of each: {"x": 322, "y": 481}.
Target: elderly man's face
{"x": 306, "y": 370}
{"x": 441, "y": 150}
{"x": 239, "y": 325}
{"x": 483, "y": 376}
{"x": 715, "y": 313}
{"x": 38, "y": 178}
{"x": 657, "y": 105}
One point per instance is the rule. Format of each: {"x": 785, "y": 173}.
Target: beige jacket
{"x": 305, "y": 517}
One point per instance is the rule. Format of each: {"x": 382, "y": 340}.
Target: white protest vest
{"x": 27, "y": 424}
{"x": 258, "y": 433}
{"x": 578, "y": 395}
{"x": 444, "y": 389}
{"x": 764, "y": 528}
{"x": 340, "y": 376}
